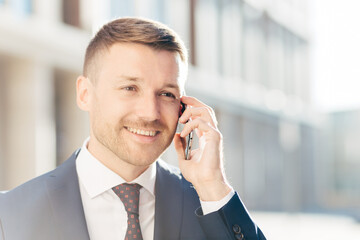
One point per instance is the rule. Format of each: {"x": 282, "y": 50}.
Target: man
{"x": 132, "y": 86}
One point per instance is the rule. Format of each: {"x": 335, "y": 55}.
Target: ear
{"x": 83, "y": 93}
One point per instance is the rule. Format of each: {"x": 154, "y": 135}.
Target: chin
{"x": 146, "y": 154}
{"x": 141, "y": 161}
{"x": 140, "y": 157}
{"x": 145, "y": 159}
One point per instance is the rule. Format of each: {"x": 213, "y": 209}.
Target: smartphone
{"x": 189, "y": 139}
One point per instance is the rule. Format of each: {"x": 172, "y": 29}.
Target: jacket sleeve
{"x": 230, "y": 222}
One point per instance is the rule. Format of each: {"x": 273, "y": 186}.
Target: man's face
{"x": 134, "y": 103}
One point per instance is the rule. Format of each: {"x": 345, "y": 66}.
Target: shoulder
{"x": 35, "y": 189}
{"x": 29, "y": 191}
{"x": 30, "y": 205}
{"x": 25, "y": 205}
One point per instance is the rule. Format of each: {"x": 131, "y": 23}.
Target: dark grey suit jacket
{"x": 49, "y": 207}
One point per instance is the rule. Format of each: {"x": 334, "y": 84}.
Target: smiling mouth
{"x": 149, "y": 133}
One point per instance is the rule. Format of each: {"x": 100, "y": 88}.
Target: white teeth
{"x": 142, "y": 132}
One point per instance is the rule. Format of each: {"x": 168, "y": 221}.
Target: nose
{"x": 148, "y": 108}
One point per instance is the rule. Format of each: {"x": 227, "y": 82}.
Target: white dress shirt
{"x": 106, "y": 217}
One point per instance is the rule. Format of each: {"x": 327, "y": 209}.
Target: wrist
{"x": 213, "y": 191}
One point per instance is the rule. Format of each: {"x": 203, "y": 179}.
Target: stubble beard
{"x": 114, "y": 139}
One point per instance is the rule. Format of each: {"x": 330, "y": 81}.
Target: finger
{"x": 180, "y": 145}
{"x": 193, "y": 101}
{"x": 198, "y": 133}
{"x": 203, "y": 112}
{"x": 194, "y": 112}
{"x": 197, "y": 124}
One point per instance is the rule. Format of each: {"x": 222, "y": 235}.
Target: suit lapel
{"x": 65, "y": 199}
{"x": 168, "y": 203}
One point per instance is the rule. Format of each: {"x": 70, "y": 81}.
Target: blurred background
{"x": 282, "y": 76}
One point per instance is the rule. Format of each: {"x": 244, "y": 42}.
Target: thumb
{"x": 179, "y": 144}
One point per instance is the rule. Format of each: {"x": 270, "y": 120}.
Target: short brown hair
{"x": 133, "y": 30}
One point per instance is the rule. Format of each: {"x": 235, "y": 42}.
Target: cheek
{"x": 171, "y": 114}
{"x": 112, "y": 106}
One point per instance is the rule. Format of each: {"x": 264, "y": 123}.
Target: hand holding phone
{"x": 205, "y": 169}
{"x": 189, "y": 139}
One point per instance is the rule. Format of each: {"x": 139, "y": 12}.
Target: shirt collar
{"x": 97, "y": 178}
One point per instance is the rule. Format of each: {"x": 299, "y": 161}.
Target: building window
{"x": 153, "y": 9}
{"x": 207, "y": 39}
{"x": 21, "y": 7}
{"x": 230, "y": 33}
{"x": 121, "y": 8}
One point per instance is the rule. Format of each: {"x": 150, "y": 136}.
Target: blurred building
{"x": 41, "y": 51}
{"x": 343, "y": 189}
{"x": 249, "y": 61}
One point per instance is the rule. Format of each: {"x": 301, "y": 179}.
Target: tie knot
{"x": 129, "y": 195}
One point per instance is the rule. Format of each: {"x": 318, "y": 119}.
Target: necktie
{"x": 129, "y": 195}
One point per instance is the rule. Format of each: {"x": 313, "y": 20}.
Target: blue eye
{"x": 131, "y": 88}
{"x": 168, "y": 94}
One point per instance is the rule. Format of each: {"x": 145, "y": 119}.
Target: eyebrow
{"x": 171, "y": 85}
{"x": 137, "y": 79}
{"x": 129, "y": 78}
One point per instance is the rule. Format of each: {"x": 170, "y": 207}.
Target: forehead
{"x": 135, "y": 53}
{"x": 141, "y": 61}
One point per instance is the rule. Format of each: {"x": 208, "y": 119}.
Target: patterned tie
{"x": 129, "y": 195}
